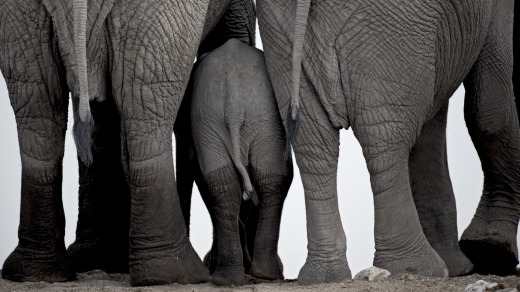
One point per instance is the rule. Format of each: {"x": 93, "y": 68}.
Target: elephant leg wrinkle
{"x": 160, "y": 252}
{"x": 266, "y": 264}
{"x": 401, "y": 246}
{"x": 39, "y": 100}
{"x": 225, "y": 208}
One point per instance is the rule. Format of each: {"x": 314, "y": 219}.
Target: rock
{"x": 372, "y": 274}
{"x": 482, "y": 285}
{"x": 93, "y": 275}
{"x": 507, "y": 290}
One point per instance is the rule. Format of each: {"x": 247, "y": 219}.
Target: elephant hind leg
{"x": 433, "y": 194}
{"x": 224, "y": 197}
{"x": 272, "y": 176}
{"x": 490, "y": 240}
{"x": 222, "y": 193}
{"x": 316, "y": 148}
{"x": 39, "y": 99}
{"x": 41, "y": 122}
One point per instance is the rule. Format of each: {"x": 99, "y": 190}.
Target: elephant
{"x": 387, "y": 69}
{"x": 139, "y": 55}
{"x": 100, "y": 245}
{"x": 237, "y": 155}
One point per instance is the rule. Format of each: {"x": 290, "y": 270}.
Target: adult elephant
{"x": 387, "y": 70}
{"x": 103, "y": 218}
{"x": 140, "y": 54}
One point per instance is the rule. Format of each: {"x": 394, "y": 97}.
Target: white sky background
{"x": 355, "y": 196}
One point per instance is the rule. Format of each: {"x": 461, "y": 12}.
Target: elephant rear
{"x": 239, "y": 142}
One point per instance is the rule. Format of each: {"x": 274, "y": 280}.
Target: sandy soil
{"x": 100, "y": 281}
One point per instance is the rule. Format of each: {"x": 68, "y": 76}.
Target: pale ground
{"x": 99, "y": 281}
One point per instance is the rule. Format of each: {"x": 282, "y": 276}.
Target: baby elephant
{"x": 239, "y": 143}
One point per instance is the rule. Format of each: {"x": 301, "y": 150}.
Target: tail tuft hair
{"x": 292, "y": 130}
{"x": 82, "y": 132}
{"x": 253, "y": 196}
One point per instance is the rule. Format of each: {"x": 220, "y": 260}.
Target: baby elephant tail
{"x": 250, "y": 192}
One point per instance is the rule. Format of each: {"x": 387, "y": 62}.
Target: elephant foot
{"x": 183, "y": 267}
{"x": 316, "y": 272}
{"x": 269, "y": 268}
{"x": 210, "y": 261}
{"x": 457, "y": 262}
{"x": 25, "y": 266}
{"x": 424, "y": 262}
{"x": 228, "y": 276}
{"x": 92, "y": 256}
{"x": 491, "y": 246}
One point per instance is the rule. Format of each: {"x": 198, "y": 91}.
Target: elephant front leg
{"x": 387, "y": 124}
{"x": 490, "y": 239}
{"x": 104, "y": 198}
{"x": 401, "y": 246}
{"x": 160, "y": 252}
{"x": 433, "y": 194}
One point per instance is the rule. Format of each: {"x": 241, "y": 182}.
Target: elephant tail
{"x": 82, "y": 130}
{"x": 80, "y": 45}
{"x": 516, "y": 56}
{"x": 236, "y": 157}
{"x": 300, "y": 26}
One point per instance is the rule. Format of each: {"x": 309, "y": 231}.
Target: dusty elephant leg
{"x": 39, "y": 99}
{"x": 490, "y": 239}
{"x": 273, "y": 190}
{"x": 104, "y": 199}
{"x": 160, "y": 251}
{"x": 316, "y": 148}
{"x": 40, "y": 254}
{"x": 433, "y": 194}
{"x": 272, "y": 175}
{"x": 386, "y": 132}
{"x": 224, "y": 197}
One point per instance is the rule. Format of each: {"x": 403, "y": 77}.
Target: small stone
{"x": 507, "y": 290}
{"x": 372, "y": 274}
{"x": 93, "y": 275}
{"x": 481, "y": 286}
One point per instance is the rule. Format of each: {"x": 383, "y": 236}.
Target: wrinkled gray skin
{"x": 387, "y": 69}
{"x": 140, "y": 54}
{"x": 238, "y": 141}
